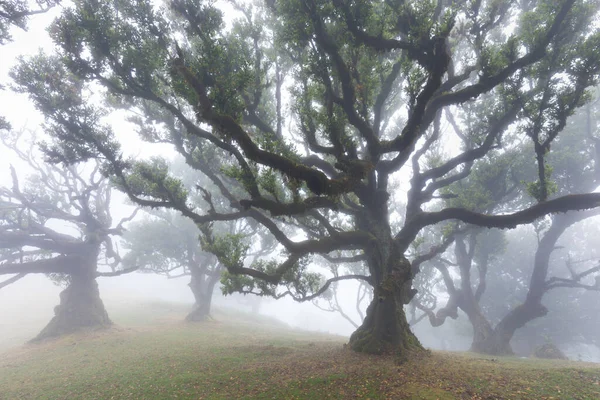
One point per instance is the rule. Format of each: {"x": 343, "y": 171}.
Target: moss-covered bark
{"x": 385, "y": 330}
{"x": 80, "y": 308}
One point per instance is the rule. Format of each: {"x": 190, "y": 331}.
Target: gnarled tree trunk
{"x": 80, "y": 308}
{"x": 202, "y": 286}
{"x": 498, "y": 343}
{"x": 483, "y": 334}
{"x": 385, "y": 328}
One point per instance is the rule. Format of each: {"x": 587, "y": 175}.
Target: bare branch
{"x": 58, "y": 265}
{"x": 117, "y": 273}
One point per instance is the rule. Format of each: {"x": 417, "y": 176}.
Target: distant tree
{"x": 576, "y": 150}
{"x": 571, "y": 310}
{"x": 57, "y": 222}
{"x": 368, "y": 86}
{"x": 167, "y": 244}
{"x": 170, "y": 244}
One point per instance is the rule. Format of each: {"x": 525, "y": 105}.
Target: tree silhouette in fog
{"x": 57, "y": 221}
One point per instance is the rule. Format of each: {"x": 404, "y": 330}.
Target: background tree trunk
{"x": 483, "y": 335}
{"x": 80, "y": 308}
{"x": 499, "y": 342}
{"x": 202, "y": 286}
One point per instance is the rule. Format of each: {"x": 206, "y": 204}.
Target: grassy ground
{"x": 234, "y": 357}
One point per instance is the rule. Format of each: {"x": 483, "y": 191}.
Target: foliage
{"x": 230, "y": 249}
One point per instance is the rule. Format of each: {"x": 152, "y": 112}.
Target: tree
{"x": 168, "y": 244}
{"x": 306, "y": 114}
{"x": 578, "y": 151}
{"x": 58, "y": 223}
{"x": 575, "y": 150}
{"x": 569, "y": 318}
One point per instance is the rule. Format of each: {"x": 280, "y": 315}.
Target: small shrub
{"x": 550, "y": 351}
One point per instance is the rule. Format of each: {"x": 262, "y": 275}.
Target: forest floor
{"x": 233, "y": 357}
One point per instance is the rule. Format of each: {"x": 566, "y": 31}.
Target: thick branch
{"x": 326, "y": 286}
{"x": 57, "y": 265}
{"x": 316, "y": 181}
{"x": 507, "y": 221}
{"x": 117, "y": 273}
{"x": 344, "y": 260}
{"x": 433, "y": 251}
{"x": 486, "y": 84}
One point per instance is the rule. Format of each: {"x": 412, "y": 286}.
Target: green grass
{"x": 234, "y": 356}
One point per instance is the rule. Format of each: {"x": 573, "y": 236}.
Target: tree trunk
{"x": 255, "y": 304}
{"x": 499, "y": 342}
{"x": 80, "y": 308}
{"x": 385, "y": 328}
{"x": 484, "y": 338}
{"x": 200, "y": 311}
{"x": 202, "y": 287}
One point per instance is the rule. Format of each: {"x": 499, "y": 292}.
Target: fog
{"x": 27, "y": 306}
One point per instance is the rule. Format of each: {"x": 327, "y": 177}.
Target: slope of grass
{"x": 234, "y": 356}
